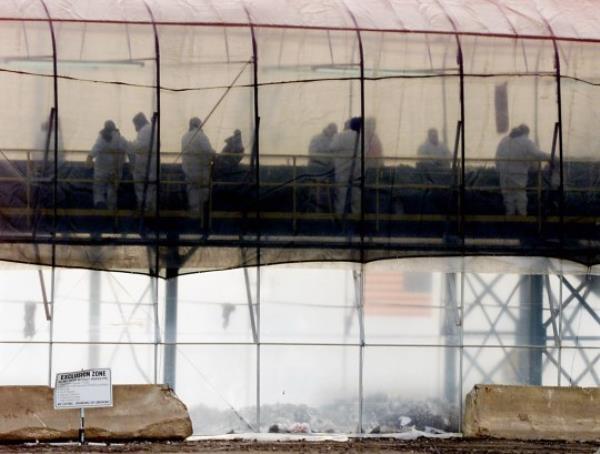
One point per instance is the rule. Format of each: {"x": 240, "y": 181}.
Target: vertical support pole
{"x": 54, "y": 125}
{"x": 454, "y": 201}
{"x": 361, "y": 358}
{"x": 156, "y": 176}
{"x": 461, "y": 198}
{"x": 461, "y": 331}
{"x": 82, "y": 426}
{"x": 362, "y": 215}
{"x": 536, "y": 329}
{"x": 169, "y": 372}
{"x": 531, "y": 331}
{"x": 362, "y": 230}
{"x": 94, "y": 316}
{"x": 449, "y": 331}
{"x": 258, "y": 382}
{"x": 560, "y": 325}
{"x": 170, "y": 360}
{"x": 50, "y": 344}
{"x": 453, "y": 288}
{"x": 363, "y": 198}
{"x": 54, "y": 180}
{"x": 255, "y": 164}
{"x": 561, "y": 184}
{"x": 158, "y": 120}
{"x": 154, "y": 291}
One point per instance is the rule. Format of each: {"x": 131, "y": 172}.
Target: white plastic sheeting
{"x": 540, "y": 18}
{"x": 336, "y": 347}
{"x": 278, "y": 72}
{"x": 303, "y": 343}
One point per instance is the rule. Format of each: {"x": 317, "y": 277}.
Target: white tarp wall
{"x": 279, "y": 74}
{"x": 320, "y": 332}
{"x": 337, "y": 346}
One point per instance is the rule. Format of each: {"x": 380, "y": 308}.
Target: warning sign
{"x": 83, "y": 389}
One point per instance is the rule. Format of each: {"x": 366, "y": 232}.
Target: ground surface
{"x": 452, "y": 446}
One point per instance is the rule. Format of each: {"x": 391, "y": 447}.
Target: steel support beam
{"x": 94, "y": 317}
{"x": 531, "y": 330}
{"x": 450, "y": 329}
{"x": 170, "y": 352}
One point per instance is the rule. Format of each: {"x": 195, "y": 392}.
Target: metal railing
{"x": 302, "y": 181}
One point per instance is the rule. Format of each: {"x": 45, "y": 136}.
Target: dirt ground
{"x": 453, "y": 446}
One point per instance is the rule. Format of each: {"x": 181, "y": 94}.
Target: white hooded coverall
{"x": 197, "y": 155}
{"x": 514, "y": 157}
{"x": 109, "y": 157}
{"x": 145, "y": 175}
{"x": 437, "y": 156}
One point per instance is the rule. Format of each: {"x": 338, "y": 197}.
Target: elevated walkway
{"x": 407, "y": 211}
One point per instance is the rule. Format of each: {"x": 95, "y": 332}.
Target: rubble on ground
{"x": 381, "y": 414}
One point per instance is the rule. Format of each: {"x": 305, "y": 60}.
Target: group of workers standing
{"x": 111, "y": 150}
{"x": 334, "y": 156}
{"x": 337, "y": 158}
{"x": 515, "y": 155}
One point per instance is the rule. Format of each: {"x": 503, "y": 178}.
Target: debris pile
{"x": 381, "y": 414}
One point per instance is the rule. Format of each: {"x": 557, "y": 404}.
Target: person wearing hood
{"x": 107, "y": 157}
{"x": 232, "y": 152}
{"x": 318, "y": 149}
{"x": 197, "y": 156}
{"x": 145, "y": 175}
{"x": 345, "y": 148}
{"x": 435, "y": 154}
{"x": 515, "y": 155}
{"x": 320, "y": 163}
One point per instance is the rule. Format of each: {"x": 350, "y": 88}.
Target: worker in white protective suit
{"x": 435, "y": 154}
{"x": 318, "y": 149}
{"x": 321, "y": 165}
{"x": 515, "y": 155}
{"x": 197, "y": 156}
{"x": 145, "y": 175}
{"x": 346, "y": 149}
{"x": 107, "y": 156}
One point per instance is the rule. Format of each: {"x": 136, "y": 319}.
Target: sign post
{"x": 82, "y": 425}
{"x": 90, "y": 388}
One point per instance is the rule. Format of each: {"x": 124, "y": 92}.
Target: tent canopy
{"x": 279, "y": 72}
{"x": 523, "y": 18}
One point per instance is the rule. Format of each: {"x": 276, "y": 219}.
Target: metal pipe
{"x": 255, "y": 162}
{"x": 561, "y": 184}
{"x": 362, "y": 216}
{"x": 461, "y": 68}
{"x": 170, "y": 345}
{"x": 94, "y": 316}
{"x": 54, "y": 125}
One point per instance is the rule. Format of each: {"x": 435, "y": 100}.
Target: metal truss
{"x": 533, "y": 329}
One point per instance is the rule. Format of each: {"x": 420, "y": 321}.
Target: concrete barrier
{"x": 140, "y": 412}
{"x": 533, "y": 413}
